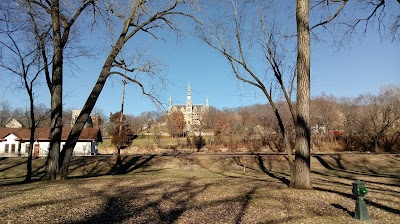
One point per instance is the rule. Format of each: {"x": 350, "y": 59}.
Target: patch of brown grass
{"x": 204, "y": 189}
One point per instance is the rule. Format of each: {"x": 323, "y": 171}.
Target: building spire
{"x": 170, "y": 104}
{"x": 188, "y": 96}
{"x": 189, "y": 93}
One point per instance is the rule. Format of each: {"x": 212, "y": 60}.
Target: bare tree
{"x": 234, "y": 47}
{"x": 325, "y": 112}
{"x": 22, "y": 60}
{"x": 141, "y": 16}
{"x": 52, "y": 23}
{"x": 5, "y": 113}
{"x": 208, "y": 119}
{"x": 377, "y": 117}
{"x": 134, "y": 122}
{"x": 346, "y": 20}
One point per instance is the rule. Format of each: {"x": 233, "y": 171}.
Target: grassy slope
{"x": 201, "y": 189}
{"x": 143, "y": 140}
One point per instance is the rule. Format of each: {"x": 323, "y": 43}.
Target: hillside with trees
{"x": 365, "y": 123}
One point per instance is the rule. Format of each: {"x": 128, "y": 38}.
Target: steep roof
{"x": 43, "y": 134}
{"x": 12, "y": 122}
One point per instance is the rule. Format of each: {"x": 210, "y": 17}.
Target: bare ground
{"x": 200, "y": 189}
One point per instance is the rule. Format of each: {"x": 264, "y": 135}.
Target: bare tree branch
{"x": 344, "y": 2}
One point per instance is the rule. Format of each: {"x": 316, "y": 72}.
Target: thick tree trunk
{"x": 302, "y": 155}
{"x": 56, "y": 96}
{"x": 66, "y": 153}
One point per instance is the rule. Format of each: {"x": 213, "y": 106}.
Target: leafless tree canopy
{"x": 247, "y": 39}
{"x": 347, "y": 20}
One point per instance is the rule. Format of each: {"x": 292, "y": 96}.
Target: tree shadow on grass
{"x": 15, "y": 165}
{"x": 342, "y": 168}
{"x": 119, "y": 207}
{"x": 354, "y": 178}
{"x": 340, "y": 207}
{"x": 282, "y": 179}
{"x": 369, "y": 202}
{"x": 79, "y": 162}
{"x": 245, "y": 202}
{"x": 91, "y": 167}
{"x": 37, "y": 173}
{"x": 161, "y": 202}
{"x": 130, "y": 165}
{"x": 323, "y": 162}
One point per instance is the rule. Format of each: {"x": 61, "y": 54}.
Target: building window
{"x": 84, "y": 148}
{"x": 6, "y": 148}
{"x": 27, "y": 147}
{"x": 12, "y": 148}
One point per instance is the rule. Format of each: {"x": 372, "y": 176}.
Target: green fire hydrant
{"x": 359, "y": 190}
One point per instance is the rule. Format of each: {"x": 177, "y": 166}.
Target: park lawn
{"x": 200, "y": 189}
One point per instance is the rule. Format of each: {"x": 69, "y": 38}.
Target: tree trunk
{"x": 302, "y": 159}
{"x": 66, "y": 153}
{"x": 56, "y": 96}
{"x": 292, "y": 170}
{"x": 288, "y": 145}
{"x": 119, "y": 161}
{"x": 28, "y": 177}
{"x": 376, "y": 145}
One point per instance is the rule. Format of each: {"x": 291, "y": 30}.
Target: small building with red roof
{"x": 15, "y": 141}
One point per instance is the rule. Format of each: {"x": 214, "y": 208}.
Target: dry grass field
{"x": 200, "y": 189}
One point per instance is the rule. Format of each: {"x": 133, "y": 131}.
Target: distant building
{"x": 193, "y": 113}
{"x": 13, "y": 123}
{"x": 74, "y": 117}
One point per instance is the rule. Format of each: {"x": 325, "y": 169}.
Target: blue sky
{"x": 360, "y": 67}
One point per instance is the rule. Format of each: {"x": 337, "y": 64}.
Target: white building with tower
{"x": 192, "y": 113}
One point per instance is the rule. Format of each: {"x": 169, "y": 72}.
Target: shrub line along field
{"x": 198, "y": 188}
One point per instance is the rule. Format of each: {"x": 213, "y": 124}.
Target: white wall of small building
{"x": 81, "y": 148}
{"x": 10, "y": 140}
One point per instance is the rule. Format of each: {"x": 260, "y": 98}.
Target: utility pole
{"x": 120, "y": 124}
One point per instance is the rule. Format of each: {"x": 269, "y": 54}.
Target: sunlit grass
{"x": 200, "y": 189}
